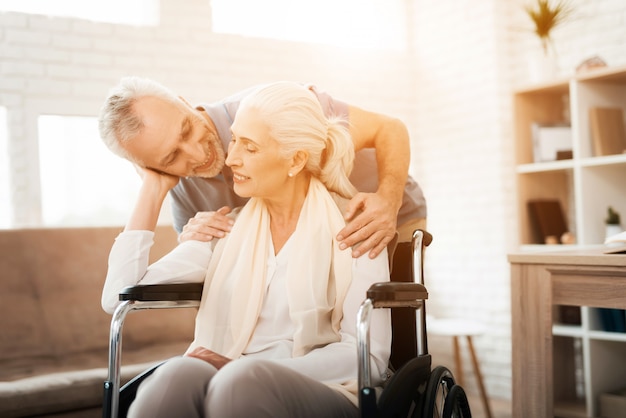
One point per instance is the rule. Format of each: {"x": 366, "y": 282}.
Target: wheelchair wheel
{"x": 438, "y": 388}
{"x": 456, "y": 404}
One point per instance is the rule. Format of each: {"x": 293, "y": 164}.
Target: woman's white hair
{"x": 297, "y": 121}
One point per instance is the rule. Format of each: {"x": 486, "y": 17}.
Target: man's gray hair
{"x": 117, "y": 122}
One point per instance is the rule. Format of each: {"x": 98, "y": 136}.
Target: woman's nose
{"x": 232, "y": 157}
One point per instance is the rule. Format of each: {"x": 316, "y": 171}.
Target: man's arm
{"x": 372, "y": 217}
{"x": 152, "y": 193}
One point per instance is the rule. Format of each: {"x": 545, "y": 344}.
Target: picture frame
{"x": 551, "y": 142}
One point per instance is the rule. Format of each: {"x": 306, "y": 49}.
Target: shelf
{"x": 617, "y": 159}
{"x": 570, "y": 409}
{"x": 607, "y": 160}
{"x": 575, "y": 331}
{"x": 538, "y": 248}
{"x": 607, "y": 74}
{"x": 587, "y": 360}
{"x": 607, "y": 336}
{"x": 555, "y": 86}
{"x": 578, "y": 331}
{"x": 545, "y": 166}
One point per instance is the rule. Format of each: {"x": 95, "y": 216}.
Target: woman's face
{"x": 259, "y": 169}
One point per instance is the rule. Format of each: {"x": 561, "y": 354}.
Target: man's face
{"x": 176, "y": 139}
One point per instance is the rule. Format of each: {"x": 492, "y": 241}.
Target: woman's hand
{"x": 207, "y": 225}
{"x": 216, "y": 360}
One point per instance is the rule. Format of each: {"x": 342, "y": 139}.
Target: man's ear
{"x": 298, "y": 161}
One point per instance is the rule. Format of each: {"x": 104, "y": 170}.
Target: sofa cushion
{"x": 57, "y": 392}
{"x": 55, "y": 335}
{"x": 52, "y": 282}
{"x": 53, "y": 390}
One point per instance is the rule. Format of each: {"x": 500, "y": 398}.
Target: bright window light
{"x": 132, "y": 12}
{"x": 376, "y": 24}
{"x": 82, "y": 182}
{"x": 5, "y": 188}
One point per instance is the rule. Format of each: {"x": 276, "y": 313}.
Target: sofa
{"x": 55, "y": 336}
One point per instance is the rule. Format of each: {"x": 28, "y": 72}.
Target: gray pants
{"x": 188, "y": 387}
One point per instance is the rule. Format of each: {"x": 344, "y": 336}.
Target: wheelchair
{"x": 415, "y": 389}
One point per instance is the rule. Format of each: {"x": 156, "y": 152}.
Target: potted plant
{"x": 612, "y": 221}
{"x": 546, "y": 15}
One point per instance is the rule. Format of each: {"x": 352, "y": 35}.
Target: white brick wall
{"x": 49, "y": 64}
{"x": 453, "y": 89}
{"x": 469, "y": 56}
{"x": 459, "y": 153}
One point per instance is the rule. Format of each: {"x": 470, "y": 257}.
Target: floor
{"x": 441, "y": 350}
{"x": 85, "y": 413}
{"x": 500, "y": 408}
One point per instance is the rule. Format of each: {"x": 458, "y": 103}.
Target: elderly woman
{"x": 275, "y": 332}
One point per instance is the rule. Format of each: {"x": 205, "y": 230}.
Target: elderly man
{"x": 146, "y": 123}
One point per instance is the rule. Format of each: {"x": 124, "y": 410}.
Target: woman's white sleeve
{"x": 128, "y": 265}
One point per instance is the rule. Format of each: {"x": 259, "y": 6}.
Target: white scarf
{"x": 319, "y": 275}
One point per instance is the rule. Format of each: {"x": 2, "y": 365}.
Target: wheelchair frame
{"x": 419, "y": 398}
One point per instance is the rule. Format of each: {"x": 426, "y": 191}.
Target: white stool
{"x": 456, "y": 328}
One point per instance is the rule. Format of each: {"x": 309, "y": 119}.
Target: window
{"x": 82, "y": 182}
{"x": 5, "y": 190}
{"x": 349, "y": 23}
{"x": 133, "y": 12}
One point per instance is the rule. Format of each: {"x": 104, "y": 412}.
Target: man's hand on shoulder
{"x": 207, "y": 225}
{"x": 371, "y": 224}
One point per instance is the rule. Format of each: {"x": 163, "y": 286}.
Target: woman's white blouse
{"x": 273, "y": 335}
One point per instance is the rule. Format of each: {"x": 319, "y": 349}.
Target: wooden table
{"x": 539, "y": 280}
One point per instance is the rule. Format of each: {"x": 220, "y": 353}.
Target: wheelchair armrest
{"x": 146, "y": 296}
{"x": 427, "y": 237}
{"x": 397, "y": 294}
{"x": 162, "y": 292}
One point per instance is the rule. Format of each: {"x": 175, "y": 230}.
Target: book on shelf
{"x": 551, "y": 142}
{"x": 608, "y": 134}
{"x": 547, "y": 219}
{"x": 569, "y": 315}
{"x": 613, "y": 320}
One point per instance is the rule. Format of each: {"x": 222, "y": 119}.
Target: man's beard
{"x": 214, "y": 150}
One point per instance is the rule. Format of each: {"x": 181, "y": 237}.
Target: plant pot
{"x": 612, "y": 229}
{"x": 542, "y": 67}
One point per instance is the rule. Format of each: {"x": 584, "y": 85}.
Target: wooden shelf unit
{"x": 586, "y": 184}
{"x": 587, "y": 360}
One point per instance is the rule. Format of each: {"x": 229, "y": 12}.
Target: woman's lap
{"x": 188, "y": 387}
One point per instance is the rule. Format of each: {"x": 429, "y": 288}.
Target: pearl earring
{"x": 290, "y": 174}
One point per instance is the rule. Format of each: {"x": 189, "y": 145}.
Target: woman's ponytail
{"x": 338, "y": 159}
